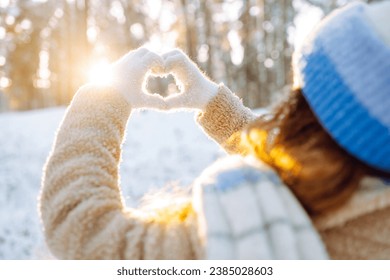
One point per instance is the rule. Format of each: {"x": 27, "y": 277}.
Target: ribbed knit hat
{"x": 343, "y": 70}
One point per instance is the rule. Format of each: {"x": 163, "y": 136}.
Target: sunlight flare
{"x": 100, "y": 72}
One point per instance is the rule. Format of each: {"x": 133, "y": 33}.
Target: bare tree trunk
{"x": 209, "y": 37}
{"x": 287, "y": 51}
{"x": 69, "y": 61}
{"x": 190, "y": 42}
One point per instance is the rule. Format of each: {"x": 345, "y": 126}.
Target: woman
{"x": 326, "y": 147}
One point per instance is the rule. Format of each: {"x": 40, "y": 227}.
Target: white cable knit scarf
{"x": 246, "y": 212}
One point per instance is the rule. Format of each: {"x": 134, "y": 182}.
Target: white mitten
{"x": 196, "y": 89}
{"x": 128, "y": 75}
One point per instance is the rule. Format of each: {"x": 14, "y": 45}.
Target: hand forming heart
{"x": 130, "y": 71}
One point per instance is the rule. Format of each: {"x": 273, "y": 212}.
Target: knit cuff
{"x": 224, "y": 118}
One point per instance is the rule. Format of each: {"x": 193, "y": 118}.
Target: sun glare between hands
{"x": 100, "y": 73}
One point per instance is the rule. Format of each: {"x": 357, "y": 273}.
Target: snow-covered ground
{"x": 160, "y": 149}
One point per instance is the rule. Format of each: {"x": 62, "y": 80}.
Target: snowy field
{"x": 161, "y": 149}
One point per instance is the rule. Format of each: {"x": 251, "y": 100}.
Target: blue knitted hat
{"x": 344, "y": 73}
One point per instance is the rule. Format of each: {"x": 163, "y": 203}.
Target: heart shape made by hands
{"x": 161, "y": 84}
{"x": 173, "y": 80}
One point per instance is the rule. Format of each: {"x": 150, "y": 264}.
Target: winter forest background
{"x": 49, "y": 48}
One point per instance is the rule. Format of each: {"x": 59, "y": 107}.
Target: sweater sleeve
{"x": 81, "y": 205}
{"x": 224, "y": 118}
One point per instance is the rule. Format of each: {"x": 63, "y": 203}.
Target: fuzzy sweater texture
{"x": 84, "y": 216}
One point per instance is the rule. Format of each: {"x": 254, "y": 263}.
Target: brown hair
{"x": 320, "y": 173}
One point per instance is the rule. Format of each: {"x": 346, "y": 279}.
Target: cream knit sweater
{"x": 84, "y": 216}
{"x": 81, "y": 205}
